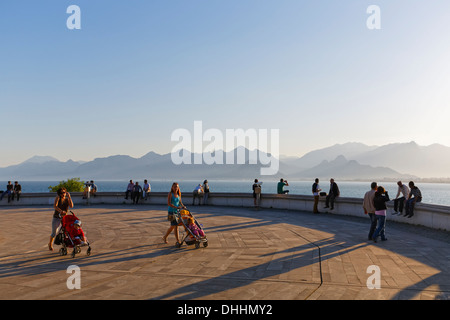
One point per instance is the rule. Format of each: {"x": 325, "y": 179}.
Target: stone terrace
{"x": 252, "y": 255}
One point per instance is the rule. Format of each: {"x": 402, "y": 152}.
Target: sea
{"x": 432, "y": 193}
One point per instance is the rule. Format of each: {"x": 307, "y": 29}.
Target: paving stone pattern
{"x": 251, "y": 255}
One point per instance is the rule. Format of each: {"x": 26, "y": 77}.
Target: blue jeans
{"x": 380, "y": 227}
{"x": 409, "y": 208}
{"x": 8, "y": 192}
{"x": 373, "y": 225}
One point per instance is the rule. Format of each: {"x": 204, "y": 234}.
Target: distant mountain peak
{"x": 40, "y": 159}
{"x": 340, "y": 159}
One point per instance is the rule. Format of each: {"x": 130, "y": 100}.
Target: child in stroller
{"x": 198, "y": 232}
{"x": 194, "y": 232}
{"x": 77, "y": 234}
{"x": 72, "y": 236}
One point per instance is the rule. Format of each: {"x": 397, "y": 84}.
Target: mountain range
{"x": 348, "y": 161}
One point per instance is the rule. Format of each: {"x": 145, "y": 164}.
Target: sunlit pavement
{"x": 251, "y": 255}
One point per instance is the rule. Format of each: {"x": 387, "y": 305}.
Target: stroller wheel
{"x": 88, "y": 252}
{"x": 73, "y": 253}
{"x": 61, "y": 251}
{"x": 197, "y": 245}
{"x": 205, "y": 244}
{"x": 177, "y": 244}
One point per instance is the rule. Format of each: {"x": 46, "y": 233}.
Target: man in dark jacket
{"x": 17, "y": 190}
{"x": 332, "y": 195}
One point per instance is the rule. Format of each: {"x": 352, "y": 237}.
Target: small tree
{"x": 71, "y": 185}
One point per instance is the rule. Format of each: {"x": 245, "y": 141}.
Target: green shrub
{"x": 71, "y": 185}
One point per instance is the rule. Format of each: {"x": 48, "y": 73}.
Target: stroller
{"x": 66, "y": 240}
{"x": 183, "y": 216}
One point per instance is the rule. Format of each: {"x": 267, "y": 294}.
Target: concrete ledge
{"x": 432, "y": 216}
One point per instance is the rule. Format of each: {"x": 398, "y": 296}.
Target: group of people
{"x": 136, "y": 192}
{"x": 316, "y": 190}
{"x": 201, "y": 192}
{"x": 374, "y": 205}
{"x": 12, "y": 190}
{"x": 90, "y": 189}
{"x": 330, "y": 197}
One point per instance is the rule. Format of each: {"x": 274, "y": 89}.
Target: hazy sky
{"x": 138, "y": 70}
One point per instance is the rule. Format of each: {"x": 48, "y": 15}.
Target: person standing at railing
{"x": 316, "y": 190}
{"x": 206, "y": 192}
{"x": 256, "y": 187}
{"x": 136, "y": 193}
{"x": 129, "y": 189}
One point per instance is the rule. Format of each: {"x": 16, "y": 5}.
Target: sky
{"x": 137, "y": 71}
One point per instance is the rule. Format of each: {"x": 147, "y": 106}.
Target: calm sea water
{"x": 433, "y": 193}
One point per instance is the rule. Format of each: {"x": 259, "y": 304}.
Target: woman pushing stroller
{"x": 62, "y": 203}
{"x": 174, "y": 202}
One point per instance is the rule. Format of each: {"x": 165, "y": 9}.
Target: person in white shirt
{"x": 198, "y": 193}
{"x": 147, "y": 189}
{"x": 399, "y": 202}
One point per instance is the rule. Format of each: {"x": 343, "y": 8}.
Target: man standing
{"x": 332, "y": 195}
{"x": 369, "y": 208}
{"x": 315, "y": 190}
{"x": 256, "y": 193}
{"x": 137, "y": 190}
{"x": 130, "y": 188}
{"x": 197, "y": 193}
{"x": 399, "y": 202}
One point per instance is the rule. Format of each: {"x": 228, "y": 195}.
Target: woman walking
{"x": 62, "y": 203}
{"x": 174, "y": 203}
{"x": 379, "y": 202}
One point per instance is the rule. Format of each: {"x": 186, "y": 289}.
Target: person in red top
{"x": 77, "y": 234}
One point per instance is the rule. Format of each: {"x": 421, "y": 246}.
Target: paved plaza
{"x": 252, "y": 255}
